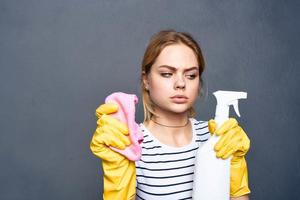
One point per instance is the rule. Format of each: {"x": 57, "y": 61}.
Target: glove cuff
{"x": 239, "y": 178}
{"x": 119, "y": 182}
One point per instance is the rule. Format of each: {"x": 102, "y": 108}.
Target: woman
{"x": 170, "y": 83}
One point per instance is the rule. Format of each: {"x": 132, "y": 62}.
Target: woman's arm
{"x": 244, "y": 197}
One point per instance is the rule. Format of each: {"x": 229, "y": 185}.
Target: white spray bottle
{"x": 212, "y": 174}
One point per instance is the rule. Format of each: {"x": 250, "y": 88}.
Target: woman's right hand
{"x": 109, "y": 132}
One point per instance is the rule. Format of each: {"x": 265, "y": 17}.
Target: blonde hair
{"x": 156, "y": 44}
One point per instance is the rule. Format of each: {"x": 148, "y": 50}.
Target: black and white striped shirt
{"x": 166, "y": 172}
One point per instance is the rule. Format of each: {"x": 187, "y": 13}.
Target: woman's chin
{"x": 180, "y": 108}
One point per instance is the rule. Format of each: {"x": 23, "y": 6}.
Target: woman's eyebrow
{"x": 174, "y": 68}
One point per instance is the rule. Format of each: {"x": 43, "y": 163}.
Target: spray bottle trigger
{"x": 235, "y": 104}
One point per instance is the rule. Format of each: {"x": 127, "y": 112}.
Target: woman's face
{"x": 175, "y": 72}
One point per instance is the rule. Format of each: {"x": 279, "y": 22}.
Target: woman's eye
{"x": 166, "y": 74}
{"x": 192, "y": 76}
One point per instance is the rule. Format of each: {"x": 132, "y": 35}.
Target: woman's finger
{"x": 225, "y": 138}
{"x": 227, "y": 125}
{"x": 111, "y": 121}
{"x": 227, "y": 147}
{"x": 212, "y": 126}
{"x": 117, "y": 134}
{"x": 228, "y": 153}
{"x": 106, "y": 108}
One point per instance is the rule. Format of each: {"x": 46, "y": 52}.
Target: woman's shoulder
{"x": 198, "y": 121}
{"x": 200, "y": 128}
{"x": 199, "y": 125}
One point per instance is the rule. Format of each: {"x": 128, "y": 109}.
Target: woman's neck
{"x": 171, "y": 119}
{"x": 166, "y": 122}
{"x": 172, "y": 136}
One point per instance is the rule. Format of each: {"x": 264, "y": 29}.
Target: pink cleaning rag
{"x": 126, "y": 114}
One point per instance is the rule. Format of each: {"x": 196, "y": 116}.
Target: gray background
{"x": 59, "y": 59}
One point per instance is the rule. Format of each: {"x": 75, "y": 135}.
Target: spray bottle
{"x": 212, "y": 174}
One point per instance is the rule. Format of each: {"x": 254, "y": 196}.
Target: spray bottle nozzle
{"x": 224, "y": 100}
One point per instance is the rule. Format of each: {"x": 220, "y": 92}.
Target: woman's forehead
{"x": 177, "y": 56}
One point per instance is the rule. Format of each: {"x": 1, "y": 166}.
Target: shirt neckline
{"x": 192, "y": 142}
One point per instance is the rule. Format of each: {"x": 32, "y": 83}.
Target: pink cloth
{"x": 126, "y": 114}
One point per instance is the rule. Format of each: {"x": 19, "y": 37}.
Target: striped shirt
{"x": 166, "y": 172}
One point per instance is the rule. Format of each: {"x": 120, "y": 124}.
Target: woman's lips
{"x": 179, "y": 99}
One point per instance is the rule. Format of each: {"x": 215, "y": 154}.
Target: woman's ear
{"x": 145, "y": 80}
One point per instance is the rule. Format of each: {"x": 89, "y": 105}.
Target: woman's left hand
{"x": 233, "y": 139}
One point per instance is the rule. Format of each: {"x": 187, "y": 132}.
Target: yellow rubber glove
{"x": 233, "y": 141}
{"x": 119, "y": 172}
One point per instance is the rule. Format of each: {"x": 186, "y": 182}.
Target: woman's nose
{"x": 180, "y": 82}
